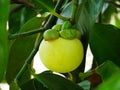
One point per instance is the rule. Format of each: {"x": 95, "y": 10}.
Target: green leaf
{"x": 29, "y": 85}
{"x": 48, "y": 4}
{"x": 56, "y": 82}
{"x": 104, "y": 43}
{"x": 26, "y": 14}
{"x": 21, "y": 49}
{"x": 4, "y": 8}
{"x": 33, "y": 84}
{"x": 14, "y": 86}
{"x": 107, "y": 14}
{"x": 113, "y": 83}
{"x": 88, "y": 10}
{"x": 15, "y": 20}
{"x": 107, "y": 69}
{"x": 33, "y": 23}
{"x": 38, "y": 7}
{"x": 86, "y": 85}
{"x": 18, "y": 18}
{"x": 50, "y": 7}
{"x": 117, "y": 21}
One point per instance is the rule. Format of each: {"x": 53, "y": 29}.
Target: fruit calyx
{"x": 64, "y": 30}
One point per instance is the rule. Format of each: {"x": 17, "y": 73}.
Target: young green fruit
{"x": 61, "y": 55}
{"x": 50, "y": 34}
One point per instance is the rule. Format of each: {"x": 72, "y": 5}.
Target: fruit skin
{"x": 61, "y": 55}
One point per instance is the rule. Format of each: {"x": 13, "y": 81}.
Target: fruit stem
{"x": 24, "y": 34}
{"x": 53, "y": 12}
{"x": 59, "y": 16}
{"x": 70, "y": 76}
{"x": 29, "y": 59}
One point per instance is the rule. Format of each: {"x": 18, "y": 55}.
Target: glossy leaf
{"x": 4, "y": 9}
{"x": 18, "y": 18}
{"x": 107, "y": 69}
{"x": 38, "y": 8}
{"x": 33, "y": 84}
{"x": 20, "y": 50}
{"x": 56, "y": 82}
{"x": 104, "y": 43}
{"x": 27, "y": 14}
{"x": 113, "y": 83}
{"x": 15, "y": 20}
{"x": 33, "y": 23}
{"x": 48, "y": 5}
{"x": 88, "y": 10}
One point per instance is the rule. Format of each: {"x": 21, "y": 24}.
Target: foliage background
{"x": 20, "y": 43}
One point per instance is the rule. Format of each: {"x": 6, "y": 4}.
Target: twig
{"x": 29, "y": 59}
{"x": 24, "y": 34}
{"x": 47, "y": 25}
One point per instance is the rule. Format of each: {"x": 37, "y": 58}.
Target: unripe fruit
{"x": 61, "y": 55}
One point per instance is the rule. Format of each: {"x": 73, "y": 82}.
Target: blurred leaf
{"x": 29, "y": 85}
{"x": 66, "y": 12}
{"x": 47, "y": 5}
{"x": 21, "y": 49}
{"x": 117, "y": 21}
{"x": 84, "y": 75}
{"x": 113, "y": 83}
{"x": 86, "y": 85}
{"x": 107, "y": 69}
{"x": 14, "y": 86}
{"x": 56, "y": 82}
{"x": 26, "y": 14}
{"x": 4, "y": 9}
{"x": 104, "y": 43}
{"x": 106, "y": 16}
{"x": 33, "y": 84}
{"x": 88, "y": 10}
{"x": 38, "y": 8}
{"x": 19, "y": 17}
{"x": 15, "y": 20}
{"x": 33, "y": 23}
